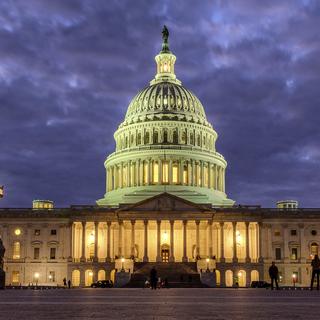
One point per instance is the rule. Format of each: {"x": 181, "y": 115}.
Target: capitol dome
{"x": 165, "y": 144}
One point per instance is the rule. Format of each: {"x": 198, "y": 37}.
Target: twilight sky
{"x": 68, "y": 70}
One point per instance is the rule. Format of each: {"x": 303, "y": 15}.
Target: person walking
{"x": 69, "y": 283}
{"x": 64, "y": 282}
{"x": 315, "y": 264}
{"x": 153, "y": 278}
{"x": 274, "y": 275}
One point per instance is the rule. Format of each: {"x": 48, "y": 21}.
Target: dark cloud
{"x": 68, "y": 70}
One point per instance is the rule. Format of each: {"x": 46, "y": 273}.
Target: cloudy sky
{"x": 68, "y": 70}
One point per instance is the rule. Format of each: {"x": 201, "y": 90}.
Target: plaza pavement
{"x": 231, "y": 304}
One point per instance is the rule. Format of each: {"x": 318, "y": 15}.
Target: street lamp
{"x": 208, "y": 260}
{"x": 294, "y": 279}
{"x": 122, "y": 264}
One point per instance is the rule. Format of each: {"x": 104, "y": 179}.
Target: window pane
{"x": 16, "y": 250}
{"x": 155, "y": 172}
{"x": 165, "y": 170}
{"x": 175, "y": 173}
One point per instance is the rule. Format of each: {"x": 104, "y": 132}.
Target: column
{"x": 215, "y": 177}
{"x": 189, "y": 173}
{"x": 108, "y": 258}
{"x": 133, "y": 238}
{"x": 158, "y": 258}
{"x": 181, "y": 171}
{"x": 149, "y": 164}
{"x": 184, "y": 257}
{"x": 83, "y": 255}
{"x": 121, "y": 175}
{"x": 137, "y": 172}
{"x": 197, "y": 239}
{"x": 269, "y": 244}
{"x": 71, "y": 239}
{"x": 222, "y": 258}
{"x": 210, "y": 239}
{"x": 234, "y": 229}
{"x": 209, "y": 175}
{"x": 303, "y": 255}
{"x": 129, "y": 174}
{"x": 171, "y": 257}
{"x": 120, "y": 253}
{"x": 145, "y": 254}
{"x": 193, "y": 175}
{"x": 160, "y": 171}
{"x": 201, "y": 174}
{"x": 96, "y": 240}
{"x": 248, "y": 260}
{"x": 170, "y": 172}
{"x": 260, "y": 256}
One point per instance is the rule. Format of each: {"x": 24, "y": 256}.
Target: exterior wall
{"x": 295, "y": 235}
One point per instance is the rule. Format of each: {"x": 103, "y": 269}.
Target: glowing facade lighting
{"x": 17, "y": 232}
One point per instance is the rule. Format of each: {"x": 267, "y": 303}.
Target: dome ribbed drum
{"x": 165, "y": 144}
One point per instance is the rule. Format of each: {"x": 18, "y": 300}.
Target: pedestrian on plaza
{"x": 69, "y": 283}
{"x": 315, "y": 264}
{"x": 153, "y": 278}
{"x": 64, "y": 282}
{"x": 274, "y": 275}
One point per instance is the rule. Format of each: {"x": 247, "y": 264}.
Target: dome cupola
{"x": 165, "y": 144}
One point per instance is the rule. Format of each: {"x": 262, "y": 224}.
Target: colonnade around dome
{"x": 160, "y": 171}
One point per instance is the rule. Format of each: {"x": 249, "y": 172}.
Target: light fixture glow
{"x": 36, "y": 275}
{"x": 17, "y": 232}
{"x": 90, "y": 273}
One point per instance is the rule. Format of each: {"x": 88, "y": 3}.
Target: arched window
{"x": 184, "y": 137}
{"x": 16, "y": 250}
{"x": 229, "y": 278}
{"x": 147, "y": 138}
{"x": 155, "y": 137}
{"x": 75, "y": 278}
{"x": 175, "y": 136}
{"x": 88, "y": 278}
{"x": 139, "y": 139}
{"x": 191, "y": 138}
{"x": 165, "y": 136}
{"x": 254, "y": 275}
{"x": 101, "y": 275}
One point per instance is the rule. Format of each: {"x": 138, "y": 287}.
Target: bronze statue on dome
{"x": 165, "y": 34}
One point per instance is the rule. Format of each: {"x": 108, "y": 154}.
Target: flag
{"x": 1, "y": 191}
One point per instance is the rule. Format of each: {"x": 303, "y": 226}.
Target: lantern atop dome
{"x": 165, "y": 62}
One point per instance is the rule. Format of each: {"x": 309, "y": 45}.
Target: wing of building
{"x": 165, "y": 206}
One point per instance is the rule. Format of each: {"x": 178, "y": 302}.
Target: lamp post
{"x": 36, "y": 276}
{"x": 294, "y": 279}
{"x": 208, "y": 260}
{"x": 122, "y": 264}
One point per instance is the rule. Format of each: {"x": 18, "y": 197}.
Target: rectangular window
{"x": 155, "y": 172}
{"x": 52, "y": 276}
{"x": 52, "y": 253}
{"x": 175, "y": 173}
{"x": 15, "y": 277}
{"x": 294, "y": 253}
{"x": 185, "y": 175}
{"x": 278, "y": 253}
{"x": 277, "y": 233}
{"x": 37, "y": 232}
{"x": 165, "y": 172}
{"x": 145, "y": 173}
{"x": 16, "y": 250}
{"x": 53, "y": 232}
{"x": 293, "y": 232}
{"x": 36, "y": 253}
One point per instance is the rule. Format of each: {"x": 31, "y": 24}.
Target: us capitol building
{"x": 165, "y": 205}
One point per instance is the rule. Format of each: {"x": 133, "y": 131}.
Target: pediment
{"x": 164, "y": 202}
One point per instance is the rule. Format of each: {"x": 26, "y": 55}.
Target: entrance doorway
{"x": 165, "y": 253}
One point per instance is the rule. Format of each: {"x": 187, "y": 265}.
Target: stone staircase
{"x": 179, "y": 274}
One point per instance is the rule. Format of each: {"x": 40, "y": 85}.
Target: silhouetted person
{"x": 315, "y": 264}
{"x": 153, "y": 278}
{"x": 274, "y": 275}
{"x": 69, "y": 283}
{"x": 64, "y": 282}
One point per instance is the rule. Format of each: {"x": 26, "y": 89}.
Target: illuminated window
{"x": 185, "y": 174}
{"x": 91, "y": 250}
{"x": 175, "y": 173}
{"x": 165, "y": 172}
{"x": 205, "y": 176}
{"x": 313, "y": 249}
{"x": 37, "y": 232}
{"x": 17, "y": 232}
{"x": 145, "y": 173}
{"x": 52, "y": 276}
{"x": 15, "y": 277}
{"x": 124, "y": 176}
{"x": 294, "y": 253}
{"x": 199, "y": 174}
{"x": 155, "y": 172}
{"x": 277, "y": 233}
{"x": 16, "y": 250}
